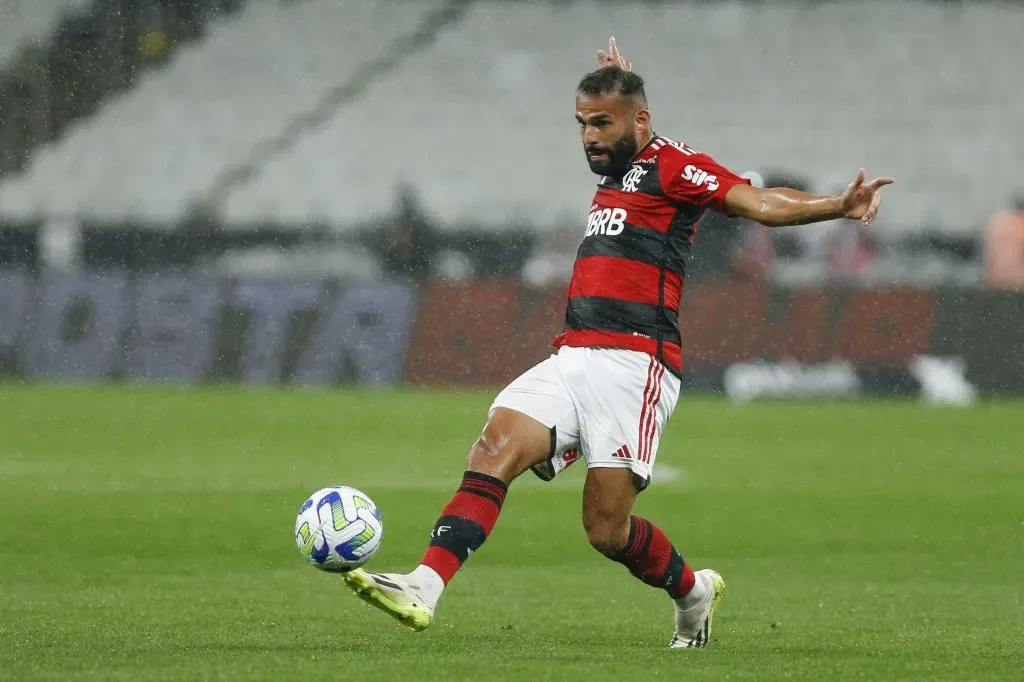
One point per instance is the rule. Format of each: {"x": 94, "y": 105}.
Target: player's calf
{"x": 650, "y": 557}
{"x": 509, "y": 444}
{"x": 636, "y": 543}
{"x": 648, "y": 554}
{"x": 606, "y": 531}
{"x": 464, "y": 524}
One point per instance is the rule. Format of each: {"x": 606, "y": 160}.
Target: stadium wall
{"x": 744, "y": 339}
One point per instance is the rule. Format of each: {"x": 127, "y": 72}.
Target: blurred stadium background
{"x": 369, "y": 194}
{"x": 265, "y": 189}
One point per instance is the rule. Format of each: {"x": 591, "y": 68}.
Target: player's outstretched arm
{"x": 779, "y": 206}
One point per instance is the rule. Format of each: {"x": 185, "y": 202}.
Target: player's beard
{"x": 618, "y": 156}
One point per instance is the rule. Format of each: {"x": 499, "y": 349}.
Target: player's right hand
{"x": 612, "y": 57}
{"x": 860, "y": 201}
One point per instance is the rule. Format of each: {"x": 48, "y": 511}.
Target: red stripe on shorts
{"x": 654, "y": 420}
{"x": 652, "y": 415}
{"x": 645, "y": 408}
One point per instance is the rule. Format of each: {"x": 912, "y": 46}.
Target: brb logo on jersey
{"x": 631, "y": 180}
{"x": 610, "y": 221}
{"x": 700, "y": 177}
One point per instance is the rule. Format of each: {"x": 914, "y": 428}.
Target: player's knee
{"x": 496, "y": 454}
{"x": 506, "y": 448}
{"x": 491, "y": 449}
{"x": 606, "y": 534}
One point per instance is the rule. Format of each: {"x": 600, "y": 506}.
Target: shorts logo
{"x": 570, "y": 456}
{"x": 622, "y": 453}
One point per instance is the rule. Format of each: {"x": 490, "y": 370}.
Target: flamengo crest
{"x": 631, "y": 180}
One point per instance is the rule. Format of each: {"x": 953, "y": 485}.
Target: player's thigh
{"x": 625, "y": 400}
{"x": 530, "y": 419}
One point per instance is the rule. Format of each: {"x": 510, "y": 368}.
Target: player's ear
{"x": 642, "y": 117}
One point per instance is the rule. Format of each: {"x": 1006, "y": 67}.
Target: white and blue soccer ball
{"x": 338, "y": 529}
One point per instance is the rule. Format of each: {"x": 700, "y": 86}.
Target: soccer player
{"x": 608, "y": 391}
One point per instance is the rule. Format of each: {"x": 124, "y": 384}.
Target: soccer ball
{"x": 338, "y": 529}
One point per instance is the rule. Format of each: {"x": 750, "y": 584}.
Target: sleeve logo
{"x": 700, "y": 178}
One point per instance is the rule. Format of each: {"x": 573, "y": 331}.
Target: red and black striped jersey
{"x": 628, "y": 278}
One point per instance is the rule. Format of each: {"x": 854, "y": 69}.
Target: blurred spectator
{"x": 843, "y": 247}
{"x": 154, "y": 42}
{"x": 406, "y": 245}
{"x": 752, "y": 254}
{"x": 453, "y": 266}
{"x": 731, "y": 247}
{"x": 551, "y": 260}
{"x": 713, "y": 244}
{"x": 1004, "y": 248}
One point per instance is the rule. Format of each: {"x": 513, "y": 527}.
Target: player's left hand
{"x": 860, "y": 200}
{"x": 612, "y": 57}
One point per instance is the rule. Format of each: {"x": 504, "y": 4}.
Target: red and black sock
{"x": 650, "y": 556}
{"x": 465, "y": 523}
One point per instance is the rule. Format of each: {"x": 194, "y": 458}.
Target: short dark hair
{"x": 612, "y": 80}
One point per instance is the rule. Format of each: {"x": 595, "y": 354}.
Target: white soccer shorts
{"x": 608, "y": 404}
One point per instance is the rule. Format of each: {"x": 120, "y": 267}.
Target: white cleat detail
{"x": 693, "y": 625}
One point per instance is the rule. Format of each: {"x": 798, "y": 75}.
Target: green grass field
{"x": 147, "y": 534}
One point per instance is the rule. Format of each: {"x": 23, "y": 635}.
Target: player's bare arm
{"x": 779, "y": 206}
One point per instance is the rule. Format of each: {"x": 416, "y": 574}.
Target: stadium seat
{"x": 481, "y": 121}
{"x": 152, "y": 152}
